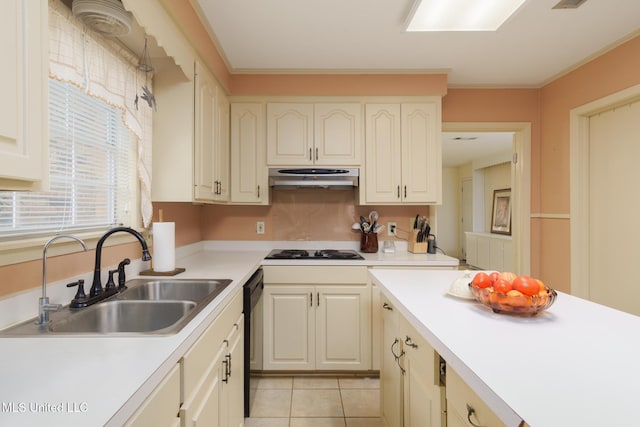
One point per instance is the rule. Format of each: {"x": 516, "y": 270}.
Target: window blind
{"x": 90, "y": 160}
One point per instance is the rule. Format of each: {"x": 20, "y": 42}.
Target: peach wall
{"x": 606, "y": 74}
{"x": 26, "y": 275}
{"x": 310, "y": 215}
{"x": 340, "y": 84}
{"x": 187, "y": 19}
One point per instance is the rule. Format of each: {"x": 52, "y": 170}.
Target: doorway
{"x": 604, "y": 203}
{"x": 521, "y": 186}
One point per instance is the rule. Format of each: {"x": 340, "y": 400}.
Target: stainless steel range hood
{"x": 292, "y": 178}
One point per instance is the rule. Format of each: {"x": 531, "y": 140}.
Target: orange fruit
{"x": 502, "y": 286}
{"x": 526, "y": 285}
{"x": 508, "y": 276}
{"x": 481, "y": 280}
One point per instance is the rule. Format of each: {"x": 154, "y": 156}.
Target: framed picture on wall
{"x": 501, "y": 213}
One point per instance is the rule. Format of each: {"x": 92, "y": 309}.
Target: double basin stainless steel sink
{"x": 147, "y": 307}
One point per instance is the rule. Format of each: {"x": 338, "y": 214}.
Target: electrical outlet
{"x": 260, "y": 227}
{"x": 392, "y": 228}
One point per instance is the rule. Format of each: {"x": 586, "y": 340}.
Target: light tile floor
{"x": 302, "y": 401}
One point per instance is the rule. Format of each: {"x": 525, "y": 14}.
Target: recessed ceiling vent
{"x": 569, "y": 4}
{"x": 107, "y": 17}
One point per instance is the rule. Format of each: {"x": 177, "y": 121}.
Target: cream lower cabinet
{"x": 212, "y": 373}
{"x": 162, "y": 406}
{"x": 24, "y": 106}
{"x": 411, "y": 393}
{"x": 317, "y": 318}
{"x": 464, "y": 406}
{"x": 391, "y": 391}
{"x": 489, "y": 251}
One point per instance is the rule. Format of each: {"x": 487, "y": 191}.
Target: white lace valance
{"x": 106, "y": 70}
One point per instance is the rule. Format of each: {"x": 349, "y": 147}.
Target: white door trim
{"x": 579, "y": 182}
{"x": 521, "y": 173}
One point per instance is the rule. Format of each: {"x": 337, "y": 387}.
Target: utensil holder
{"x": 369, "y": 242}
{"x": 416, "y": 247}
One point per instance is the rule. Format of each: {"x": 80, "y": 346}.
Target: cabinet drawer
{"x": 197, "y": 359}
{"x": 162, "y": 406}
{"x": 460, "y": 397}
{"x": 315, "y": 275}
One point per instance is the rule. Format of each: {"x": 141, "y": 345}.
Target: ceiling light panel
{"x": 461, "y": 15}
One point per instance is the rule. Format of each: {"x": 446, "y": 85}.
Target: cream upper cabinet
{"x": 211, "y": 139}
{"x": 300, "y": 134}
{"x": 403, "y": 154}
{"x": 24, "y": 118}
{"x": 190, "y": 139}
{"x": 249, "y": 179}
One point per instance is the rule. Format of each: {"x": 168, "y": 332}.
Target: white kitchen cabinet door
{"x": 289, "y": 327}
{"x": 221, "y": 149}
{"x": 472, "y": 250}
{"x": 290, "y": 134}
{"x": 202, "y": 409}
{"x": 403, "y": 154}
{"x": 382, "y": 153}
{"x": 337, "y": 134}
{"x": 391, "y": 390}
{"x": 461, "y": 399}
{"x": 161, "y": 407}
{"x": 206, "y": 123}
{"x": 232, "y": 394}
{"x": 24, "y": 112}
{"x": 421, "y": 153}
{"x": 343, "y": 327}
{"x": 422, "y": 393}
{"x": 249, "y": 177}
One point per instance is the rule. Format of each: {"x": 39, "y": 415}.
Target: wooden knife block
{"x": 414, "y": 246}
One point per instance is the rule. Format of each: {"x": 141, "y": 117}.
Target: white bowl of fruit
{"x": 507, "y": 293}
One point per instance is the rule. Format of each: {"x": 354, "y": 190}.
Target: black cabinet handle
{"x": 470, "y": 412}
{"x": 409, "y": 342}
{"x": 387, "y": 306}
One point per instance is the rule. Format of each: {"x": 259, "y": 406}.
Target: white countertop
{"x": 91, "y": 379}
{"x": 576, "y": 364}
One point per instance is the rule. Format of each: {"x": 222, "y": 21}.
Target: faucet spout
{"x": 44, "y": 306}
{"x": 96, "y": 286}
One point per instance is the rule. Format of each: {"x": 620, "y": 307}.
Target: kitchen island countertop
{"x": 576, "y": 364}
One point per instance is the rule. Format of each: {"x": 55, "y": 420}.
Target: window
{"x": 91, "y": 162}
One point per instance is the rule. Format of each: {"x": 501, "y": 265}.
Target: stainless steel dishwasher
{"x": 252, "y": 309}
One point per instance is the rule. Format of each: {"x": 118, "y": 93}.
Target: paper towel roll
{"x": 164, "y": 246}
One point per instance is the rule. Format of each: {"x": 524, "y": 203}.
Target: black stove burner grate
{"x": 313, "y": 254}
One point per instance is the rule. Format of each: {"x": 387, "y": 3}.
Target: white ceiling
{"x": 535, "y": 45}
